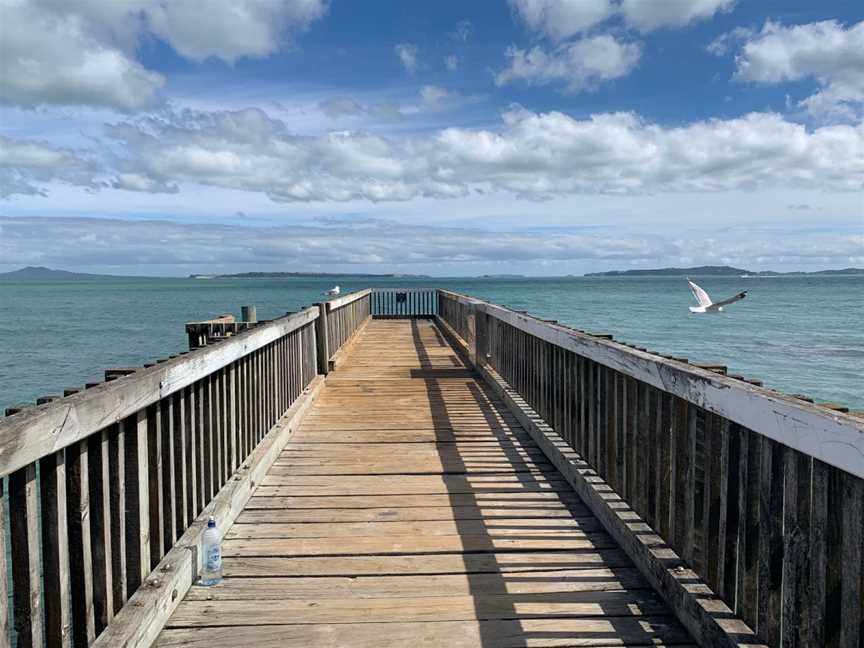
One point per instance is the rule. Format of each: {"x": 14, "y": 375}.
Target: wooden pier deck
{"x": 411, "y": 508}
{"x": 413, "y": 466}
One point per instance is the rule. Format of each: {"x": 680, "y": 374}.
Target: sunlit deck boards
{"x": 411, "y": 508}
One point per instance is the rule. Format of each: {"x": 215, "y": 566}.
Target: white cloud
{"x": 578, "y": 65}
{"x": 451, "y": 62}
{"x": 370, "y": 243}
{"x": 648, "y": 16}
{"x": 434, "y": 98}
{"x": 341, "y": 107}
{"x": 530, "y": 155}
{"x": 57, "y": 59}
{"x": 56, "y": 52}
{"x": 533, "y": 155}
{"x": 69, "y": 242}
{"x": 827, "y": 51}
{"x": 138, "y": 182}
{"x": 539, "y": 154}
{"x": 250, "y": 151}
{"x": 407, "y": 54}
{"x": 433, "y": 95}
{"x": 560, "y": 19}
{"x": 231, "y": 29}
{"x": 26, "y": 166}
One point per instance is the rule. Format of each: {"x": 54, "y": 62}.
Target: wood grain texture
{"x": 522, "y": 633}
{"x": 4, "y": 578}
{"x": 55, "y": 551}
{"x": 24, "y": 554}
{"x": 411, "y": 497}
{"x": 139, "y": 622}
{"x": 704, "y": 615}
{"x": 822, "y": 433}
{"x": 32, "y": 434}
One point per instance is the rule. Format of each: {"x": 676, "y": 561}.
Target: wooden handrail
{"x": 399, "y": 302}
{"x": 832, "y": 436}
{"x": 759, "y": 493}
{"x": 712, "y": 462}
{"x": 344, "y": 300}
{"x": 339, "y": 320}
{"x": 104, "y": 483}
{"x": 37, "y": 432}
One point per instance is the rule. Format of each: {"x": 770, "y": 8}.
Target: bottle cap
{"x": 211, "y": 522}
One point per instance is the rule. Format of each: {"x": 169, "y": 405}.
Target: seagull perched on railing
{"x": 705, "y": 303}
{"x": 333, "y": 291}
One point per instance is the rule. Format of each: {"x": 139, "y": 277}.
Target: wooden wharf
{"x": 418, "y": 467}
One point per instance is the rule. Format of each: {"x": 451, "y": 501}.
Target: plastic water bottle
{"x": 211, "y": 554}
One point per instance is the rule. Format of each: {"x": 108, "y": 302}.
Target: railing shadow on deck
{"x": 512, "y": 614}
{"x": 104, "y": 491}
{"x": 749, "y": 486}
{"x": 762, "y": 494}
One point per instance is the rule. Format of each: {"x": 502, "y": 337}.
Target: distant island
{"x": 41, "y": 273}
{"x": 283, "y": 275}
{"x": 724, "y": 271}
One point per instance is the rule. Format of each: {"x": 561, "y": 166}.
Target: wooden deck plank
{"x": 341, "y": 587}
{"x": 432, "y": 564}
{"x": 478, "y": 606}
{"x": 422, "y": 514}
{"x": 300, "y": 485}
{"x": 524, "y": 633}
{"x": 375, "y": 546}
{"x": 411, "y": 506}
{"x": 398, "y": 466}
{"x": 540, "y": 499}
{"x": 508, "y": 527}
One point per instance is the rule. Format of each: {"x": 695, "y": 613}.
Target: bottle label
{"x": 213, "y": 558}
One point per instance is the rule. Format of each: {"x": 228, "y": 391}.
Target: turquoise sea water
{"x": 797, "y": 334}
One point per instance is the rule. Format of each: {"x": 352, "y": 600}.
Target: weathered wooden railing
{"x": 105, "y": 490}
{"x": 214, "y": 330}
{"x": 760, "y": 494}
{"x": 404, "y": 302}
{"x": 339, "y": 320}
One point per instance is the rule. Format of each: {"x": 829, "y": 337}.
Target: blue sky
{"x": 446, "y": 138}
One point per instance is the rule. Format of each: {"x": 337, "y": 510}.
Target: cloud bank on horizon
{"x": 680, "y": 124}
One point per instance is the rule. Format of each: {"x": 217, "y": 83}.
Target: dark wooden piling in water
{"x": 249, "y": 314}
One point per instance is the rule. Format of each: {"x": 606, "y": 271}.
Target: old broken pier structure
{"x": 396, "y": 467}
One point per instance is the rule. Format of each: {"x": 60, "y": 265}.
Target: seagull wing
{"x": 700, "y": 295}
{"x": 732, "y": 299}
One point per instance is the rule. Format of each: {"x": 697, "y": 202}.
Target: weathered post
{"x": 322, "y": 342}
{"x": 249, "y": 314}
{"x": 480, "y": 333}
{"x": 470, "y": 338}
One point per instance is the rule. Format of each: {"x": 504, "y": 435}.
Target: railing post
{"x": 321, "y": 335}
{"x": 478, "y": 349}
{"x": 470, "y": 332}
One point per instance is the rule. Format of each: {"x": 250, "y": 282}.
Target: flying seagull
{"x": 705, "y": 303}
{"x": 333, "y": 291}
